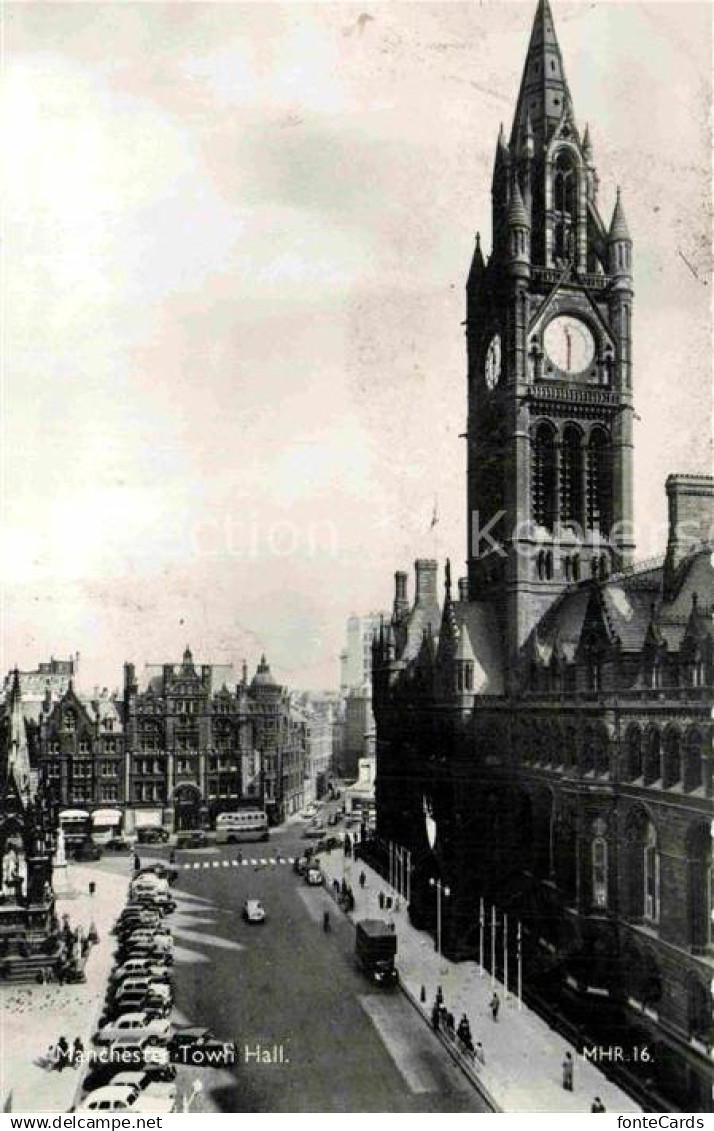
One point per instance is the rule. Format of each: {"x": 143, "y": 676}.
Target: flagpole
{"x": 480, "y": 934}
{"x": 493, "y": 944}
{"x": 520, "y": 969}
{"x": 505, "y": 953}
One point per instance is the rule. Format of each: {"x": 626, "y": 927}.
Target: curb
{"x": 459, "y": 1060}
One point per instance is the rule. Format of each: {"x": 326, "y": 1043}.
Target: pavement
{"x": 523, "y": 1055}
{"x": 34, "y": 1017}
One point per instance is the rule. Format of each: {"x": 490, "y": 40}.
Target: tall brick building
{"x": 552, "y": 718}
{"x": 179, "y": 745}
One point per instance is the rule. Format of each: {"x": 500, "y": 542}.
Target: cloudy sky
{"x": 236, "y": 240}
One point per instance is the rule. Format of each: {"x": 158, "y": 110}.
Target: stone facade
{"x": 553, "y": 717}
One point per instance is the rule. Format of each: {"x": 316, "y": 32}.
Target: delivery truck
{"x": 375, "y": 951}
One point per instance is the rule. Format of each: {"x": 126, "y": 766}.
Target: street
{"x": 313, "y": 1034}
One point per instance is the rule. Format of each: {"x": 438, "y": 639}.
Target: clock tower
{"x": 549, "y": 364}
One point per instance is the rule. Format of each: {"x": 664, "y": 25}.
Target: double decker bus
{"x": 243, "y": 824}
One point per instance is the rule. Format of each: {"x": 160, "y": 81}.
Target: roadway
{"x": 287, "y": 985}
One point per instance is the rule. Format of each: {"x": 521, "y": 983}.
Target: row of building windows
{"x": 669, "y": 760}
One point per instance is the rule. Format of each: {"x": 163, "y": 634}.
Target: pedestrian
{"x": 137, "y": 862}
{"x": 436, "y": 1016}
{"x": 381, "y": 901}
{"x": 439, "y": 995}
{"x": 449, "y": 1021}
{"x": 464, "y": 1031}
{"x": 336, "y": 886}
{"x": 388, "y": 902}
{"x": 326, "y": 921}
{"x": 92, "y": 887}
{"x": 62, "y": 1054}
{"x": 51, "y": 1058}
{"x": 77, "y": 1052}
{"x": 597, "y": 1105}
{"x": 61, "y": 973}
{"x": 396, "y": 904}
{"x": 568, "y": 1072}
{"x": 172, "y": 856}
{"x": 495, "y": 1005}
{"x": 479, "y": 1053}
{"x": 362, "y": 879}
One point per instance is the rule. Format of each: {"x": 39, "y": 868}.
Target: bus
{"x": 244, "y": 824}
{"x": 76, "y": 824}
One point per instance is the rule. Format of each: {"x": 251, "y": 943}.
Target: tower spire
{"x": 544, "y": 92}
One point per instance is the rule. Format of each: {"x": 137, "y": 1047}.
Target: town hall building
{"x": 544, "y": 732}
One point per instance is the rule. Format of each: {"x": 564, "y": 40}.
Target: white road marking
{"x": 254, "y": 862}
{"x": 388, "y": 1023}
{"x": 272, "y": 861}
{"x": 263, "y": 861}
{"x": 244, "y": 863}
{"x": 216, "y": 863}
{"x": 197, "y": 865}
{"x": 226, "y": 863}
{"x": 291, "y": 859}
{"x": 234, "y": 863}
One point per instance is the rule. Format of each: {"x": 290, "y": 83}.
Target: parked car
{"x": 253, "y": 911}
{"x": 135, "y": 1002}
{"x": 153, "y": 1030}
{"x": 144, "y": 985}
{"x": 153, "y": 1062}
{"x": 141, "y": 968}
{"x": 309, "y": 812}
{"x": 314, "y": 877}
{"x": 195, "y": 839}
{"x": 145, "y": 950}
{"x": 118, "y": 844}
{"x": 152, "y": 834}
{"x": 151, "y": 1091}
{"x": 301, "y": 865}
{"x": 87, "y": 851}
{"x": 110, "y": 1098}
{"x": 163, "y": 871}
{"x": 195, "y": 1039}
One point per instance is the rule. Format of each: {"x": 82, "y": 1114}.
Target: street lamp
{"x": 447, "y": 892}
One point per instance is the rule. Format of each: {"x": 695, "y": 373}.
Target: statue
{"x": 60, "y": 860}
{"x": 10, "y": 867}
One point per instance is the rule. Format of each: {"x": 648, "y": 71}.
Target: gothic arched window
{"x": 634, "y": 753}
{"x": 599, "y": 486}
{"x": 672, "y": 759}
{"x": 544, "y": 476}
{"x": 571, "y": 476}
{"x": 565, "y": 199}
{"x": 651, "y": 874}
{"x": 599, "y": 869}
{"x": 693, "y": 763}
{"x": 653, "y": 767}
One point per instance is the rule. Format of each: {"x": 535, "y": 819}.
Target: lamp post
{"x": 447, "y": 892}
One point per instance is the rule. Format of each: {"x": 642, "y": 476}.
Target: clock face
{"x": 568, "y": 344}
{"x": 493, "y": 362}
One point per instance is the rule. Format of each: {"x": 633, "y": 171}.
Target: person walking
{"x": 479, "y": 1053}
{"x": 568, "y": 1072}
{"x": 464, "y": 1032}
{"x": 436, "y": 1016}
{"x": 62, "y": 1054}
{"x": 137, "y": 862}
{"x": 381, "y": 901}
{"x": 495, "y": 1005}
{"x": 362, "y": 879}
{"x": 597, "y": 1105}
{"x": 326, "y": 921}
{"x": 77, "y": 1052}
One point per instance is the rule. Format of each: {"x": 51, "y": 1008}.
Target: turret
{"x": 619, "y": 243}
{"x": 401, "y": 603}
{"x": 519, "y": 234}
{"x": 476, "y": 273}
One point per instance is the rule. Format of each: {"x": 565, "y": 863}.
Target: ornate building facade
{"x": 176, "y": 748}
{"x": 552, "y": 719}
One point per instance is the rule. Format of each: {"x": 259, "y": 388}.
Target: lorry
{"x": 375, "y": 951}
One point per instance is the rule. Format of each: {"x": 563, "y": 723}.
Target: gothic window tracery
{"x": 565, "y": 205}
{"x": 544, "y": 476}
{"x": 599, "y": 482}
{"x": 571, "y": 474}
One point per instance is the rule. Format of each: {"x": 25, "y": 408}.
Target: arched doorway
{"x": 187, "y": 807}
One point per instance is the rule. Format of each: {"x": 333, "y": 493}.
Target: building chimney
{"x": 690, "y": 501}
{"x": 425, "y": 581}
{"x": 463, "y": 588}
{"x": 401, "y": 604}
